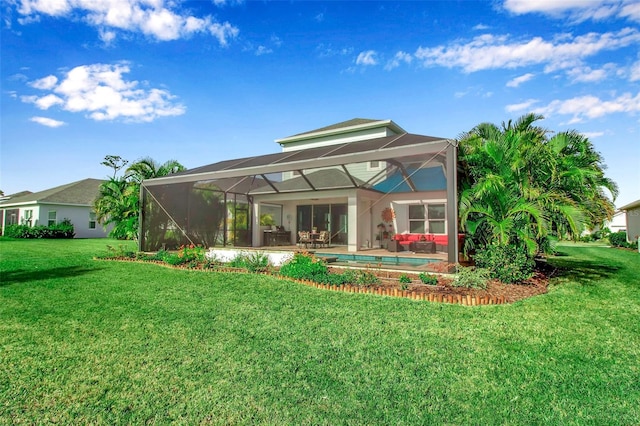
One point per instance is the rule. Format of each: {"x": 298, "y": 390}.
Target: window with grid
{"x": 436, "y": 218}
{"x": 28, "y": 217}
{"x": 92, "y": 220}
{"x": 52, "y": 218}
{"x": 428, "y": 218}
{"x": 416, "y": 219}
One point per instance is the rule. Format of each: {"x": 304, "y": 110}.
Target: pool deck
{"x": 377, "y": 252}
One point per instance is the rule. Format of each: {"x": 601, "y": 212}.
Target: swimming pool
{"x": 384, "y": 260}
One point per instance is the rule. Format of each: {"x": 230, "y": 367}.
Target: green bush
{"x": 428, "y": 278}
{"x": 304, "y": 266}
{"x": 507, "y": 263}
{"x": 63, "y": 229}
{"x": 618, "y": 239}
{"x": 254, "y": 261}
{"x": 471, "y": 277}
{"x": 366, "y": 278}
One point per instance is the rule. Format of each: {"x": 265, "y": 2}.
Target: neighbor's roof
{"x": 630, "y": 206}
{"x": 82, "y": 192}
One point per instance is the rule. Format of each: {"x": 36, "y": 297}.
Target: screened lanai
{"x": 341, "y": 188}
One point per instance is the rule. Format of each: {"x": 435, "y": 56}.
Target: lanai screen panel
{"x": 199, "y": 213}
{"x": 212, "y": 205}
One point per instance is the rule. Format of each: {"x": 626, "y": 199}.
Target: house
{"x": 73, "y": 201}
{"x": 632, "y": 216}
{"x": 359, "y": 180}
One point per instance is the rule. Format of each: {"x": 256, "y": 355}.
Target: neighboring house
{"x": 345, "y": 179}
{"x": 632, "y": 215}
{"x": 618, "y": 222}
{"x": 73, "y": 201}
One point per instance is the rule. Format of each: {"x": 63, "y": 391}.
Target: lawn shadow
{"x": 585, "y": 272}
{"x": 24, "y": 275}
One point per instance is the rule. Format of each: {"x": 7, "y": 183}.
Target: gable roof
{"x": 82, "y": 192}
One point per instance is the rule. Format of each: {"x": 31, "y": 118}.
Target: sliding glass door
{"x": 324, "y": 217}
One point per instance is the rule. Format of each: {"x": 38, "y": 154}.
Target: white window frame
{"x": 55, "y": 217}
{"x": 92, "y": 220}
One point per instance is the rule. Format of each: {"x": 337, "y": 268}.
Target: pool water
{"x": 384, "y": 260}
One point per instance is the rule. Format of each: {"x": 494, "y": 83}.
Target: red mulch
{"x": 510, "y": 292}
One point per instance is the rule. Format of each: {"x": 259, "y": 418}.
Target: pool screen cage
{"x": 213, "y": 205}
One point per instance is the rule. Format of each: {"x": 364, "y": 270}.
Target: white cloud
{"x": 101, "y": 92}
{"x": 44, "y": 102}
{"x": 400, "y": 57}
{"x": 631, "y": 11}
{"x": 152, "y": 18}
{"x": 326, "y": 51}
{"x": 45, "y": 83}
{"x": 583, "y": 107}
{"x": 261, "y": 50}
{"x": 577, "y": 10}
{"x": 523, "y": 106}
{"x": 591, "y": 135}
{"x": 367, "y": 58}
{"x": 635, "y": 72}
{"x": 519, "y": 80}
{"x": 49, "y": 122}
{"x": 588, "y": 75}
{"x": 492, "y": 52}
{"x": 481, "y": 27}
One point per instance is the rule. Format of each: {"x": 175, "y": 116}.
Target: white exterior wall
{"x": 633, "y": 224}
{"x": 78, "y": 215}
{"x": 399, "y": 203}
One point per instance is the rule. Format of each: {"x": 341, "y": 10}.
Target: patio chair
{"x": 322, "y": 239}
{"x": 304, "y": 238}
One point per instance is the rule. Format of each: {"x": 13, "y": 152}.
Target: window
{"x": 52, "y": 218}
{"x": 436, "y": 217}
{"x": 92, "y": 220}
{"x": 416, "y": 219}
{"x": 28, "y": 217}
{"x": 430, "y": 217}
{"x": 374, "y": 165}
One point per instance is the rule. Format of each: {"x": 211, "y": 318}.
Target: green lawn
{"x": 86, "y": 341}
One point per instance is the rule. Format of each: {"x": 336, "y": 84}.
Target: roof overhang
{"x": 341, "y": 130}
{"x": 634, "y": 205}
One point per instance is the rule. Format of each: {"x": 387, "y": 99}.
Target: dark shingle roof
{"x": 80, "y": 192}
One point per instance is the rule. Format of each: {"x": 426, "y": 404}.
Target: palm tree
{"x": 518, "y": 186}
{"x": 117, "y": 204}
{"x": 148, "y": 168}
{"x": 118, "y": 200}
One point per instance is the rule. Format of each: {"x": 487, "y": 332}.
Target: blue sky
{"x": 209, "y": 80}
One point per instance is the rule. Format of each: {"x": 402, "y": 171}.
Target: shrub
{"x": 404, "y": 278}
{"x": 366, "y": 278}
{"x": 252, "y": 261}
{"x": 304, "y": 266}
{"x": 618, "y": 239}
{"x": 507, "y": 263}
{"x": 63, "y": 229}
{"x": 471, "y": 277}
{"x": 428, "y": 278}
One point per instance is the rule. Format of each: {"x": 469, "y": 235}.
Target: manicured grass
{"x": 86, "y": 341}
